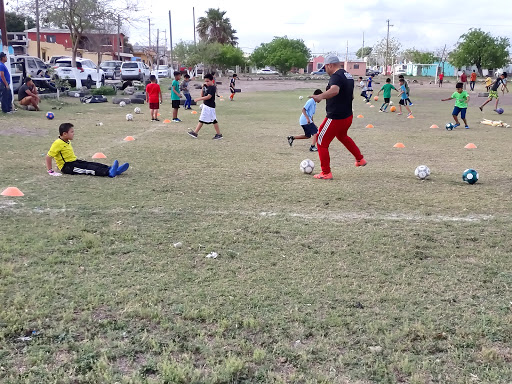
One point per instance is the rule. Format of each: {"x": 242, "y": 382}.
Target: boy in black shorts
{"x": 176, "y": 96}
{"x": 306, "y": 121}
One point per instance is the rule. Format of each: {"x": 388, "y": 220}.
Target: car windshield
{"x": 130, "y": 65}
{"x": 67, "y": 64}
{"x": 108, "y": 64}
{"x": 162, "y": 67}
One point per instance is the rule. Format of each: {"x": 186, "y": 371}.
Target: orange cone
{"x": 399, "y": 145}
{"x": 99, "y": 155}
{"x": 194, "y": 112}
{"x": 369, "y": 126}
{"x": 410, "y": 117}
{"x": 372, "y": 106}
{"x": 166, "y": 121}
{"x": 12, "y": 191}
{"x": 470, "y": 146}
{"x": 434, "y": 126}
{"x": 158, "y": 114}
{"x": 359, "y": 116}
{"x": 128, "y": 138}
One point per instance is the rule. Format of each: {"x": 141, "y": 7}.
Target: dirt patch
{"x": 23, "y": 131}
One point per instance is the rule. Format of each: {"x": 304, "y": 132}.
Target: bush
{"x": 105, "y": 90}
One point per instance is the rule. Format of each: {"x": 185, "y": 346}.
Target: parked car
{"x": 112, "y": 69}
{"x": 16, "y": 75}
{"x": 372, "y": 72}
{"x": 30, "y": 64}
{"x": 135, "y": 70}
{"x": 54, "y": 59}
{"x": 163, "y": 71}
{"x": 266, "y": 71}
{"x": 319, "y": 72}
{"x": 88, "y": 72}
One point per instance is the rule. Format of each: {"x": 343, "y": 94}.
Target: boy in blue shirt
{"x": 306, "y": 121}
{"x": 404, "y": 99}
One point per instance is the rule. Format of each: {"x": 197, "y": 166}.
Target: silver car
{"x": 112, "y": 69}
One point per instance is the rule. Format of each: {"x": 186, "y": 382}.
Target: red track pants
{"x": 329, "y": 129}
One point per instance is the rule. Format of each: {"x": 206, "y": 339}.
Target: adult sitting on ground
{"x": 27, "y": 94}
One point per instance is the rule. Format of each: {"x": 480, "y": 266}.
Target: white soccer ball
{"x": 422, "y": 172}
{"x": 122, "y": 104}
{"x": 136, "y": 110}
{"x": 100, "y": 124}
{"x": 307, "y": 166}
{"x": 301, "y": 97}
{"x": 390, "y": 103}
{"x": 77, "y": 94}
{"x": 129, "y": 117}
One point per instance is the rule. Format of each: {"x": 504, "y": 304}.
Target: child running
{"x": 493, "y": 92}
{"x": 404, "y": 100}
{"x": 306, "y": 121}
{"x": 362, "y": 85}
{"x": 62, "y": 151}
{"x": 153, "y": 97}
{"x": 208, "y": 115}
{"x": 461, "y": 104}
{"x": 369, "y": 88}
{"x": 387, "y": 94}
{"x": 232, "y": 84}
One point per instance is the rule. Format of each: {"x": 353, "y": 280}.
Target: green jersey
{"x": 387, "y": 90}
{"x": 176, "y": 85}
{"x": 461, "y": 99}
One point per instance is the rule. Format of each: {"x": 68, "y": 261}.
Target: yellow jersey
{"x": 488, "y": 81}
{"x": 62, "y": 152}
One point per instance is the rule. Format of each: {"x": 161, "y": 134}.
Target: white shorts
{"x": 208, "y": 115}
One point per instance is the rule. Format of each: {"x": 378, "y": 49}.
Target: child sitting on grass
{"x": 62, "y": 151}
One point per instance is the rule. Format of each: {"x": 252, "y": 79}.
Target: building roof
{"x": 48, "y": 30}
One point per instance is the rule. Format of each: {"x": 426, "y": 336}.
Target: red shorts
{"x": 154, "y": 105}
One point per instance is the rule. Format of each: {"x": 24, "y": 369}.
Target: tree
{"x": 364, "y": 52}
{"x": 418, "y": 57}
{"x": 215, "y": 28}
{"x": 230, "y": 57}
{"x": 282, "y": 53}
{"x": 481, "y": 49}
{"x": 382, "y": 51}
{"x": 16, "y": 22}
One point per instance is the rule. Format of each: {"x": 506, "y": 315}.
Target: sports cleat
{"x": 380, "y": 110}
{"x": 456, "y": 125}
{"x": 290, "y": 140}
{"x": 467, "y": 127}
{"x": 481, "y": 109}
{"x": 122, "y": 168}
{"x": 399, "y": 113}
{"x": 193, "y": 134}
{"x": 217, "y": 136}
{"x": 323, "y": 176}
{"x": 409, "y": 114}
{"x": 313, "y": 149}
{"x": 112, "y": 172}
{"x": 361, "y": 163}
{"x": 176, "y": 120}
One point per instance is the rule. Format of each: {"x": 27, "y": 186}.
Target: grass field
{"x": 373, "y": 277}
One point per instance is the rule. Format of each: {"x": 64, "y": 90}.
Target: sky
{"x": 328, "y": 26}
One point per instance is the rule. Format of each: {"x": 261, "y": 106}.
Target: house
{"x": 57, "y": 42}
{"x": 355, "y": 68}
{"x": 18, "y": 41}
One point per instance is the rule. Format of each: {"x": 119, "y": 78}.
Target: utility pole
{"x": 387, "y": 49}
{"x": 157, "y": 40}
{"x": 346, "y": 56}
{"x": 165, "y": 45}
{"x": 362, "y": 50}
{"x": 194, "y": 21}
{"x": 3, "y": 25}
{"x": 37, "y": 31}
{"x": 149, "y": 46}
{"x": 118, "y": 36}
{"x": 170, "y": 34}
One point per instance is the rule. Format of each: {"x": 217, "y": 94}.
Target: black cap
{"x": 2, "y": 55}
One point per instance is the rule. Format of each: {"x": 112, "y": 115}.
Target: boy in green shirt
{"x": 176, "y": 96}
{"x": 461, "y": 104}
{"x": 387, "y": 94}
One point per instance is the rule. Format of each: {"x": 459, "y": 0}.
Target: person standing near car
{"x": 5, "y": 85}
{"x": 338, "y": 95}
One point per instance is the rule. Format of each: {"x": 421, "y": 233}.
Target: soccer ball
{"x": 307, "y": 166}
{"x": 122, "y": 104}
{"x": 129, "y": 117}
{"x": 77, "y": 94}
{"x": 376, "y": 98}
{"x": 470, "y": 176}
{"x": 136, "y": 110}
{"x": 500, "y": 110}
{"x": 390, "y": 103}
{"x": 449, "y": 126}
{"x": 301, "y": 97}
{"x": 50, "y": 115}
{"x": 422, "y": 172}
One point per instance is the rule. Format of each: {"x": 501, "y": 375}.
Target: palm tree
{"x": 214, "y": 27}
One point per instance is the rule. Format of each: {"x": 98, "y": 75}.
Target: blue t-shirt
{"x": 310, "y": 108}
{"x": 370, "y": 83}
{"x": 7, "y": 75}
{"x": 404, "y": 92}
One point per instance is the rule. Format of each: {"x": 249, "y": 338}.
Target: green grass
{"x": 374, "y": 277}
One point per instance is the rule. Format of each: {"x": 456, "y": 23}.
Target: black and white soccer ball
{"x": 129, "y": 117}
{"x": 449, "y": 126}
{"x": 136, "y": 110}
{"x": 422, "y": 172}
{"x": 307, "y": 166}
{"x": 470, "y": 176}
{"x": 122, "y": 104}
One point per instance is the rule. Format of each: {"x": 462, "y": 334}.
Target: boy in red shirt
{"x": 153, "y": 97}
{"x": 441, "y": 77}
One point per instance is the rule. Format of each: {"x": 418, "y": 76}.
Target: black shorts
{"x": 387, "y": 99}
{"x": 404, "y": 101}
{"x": 175, "y": 104}
{"x": 310, "y": 129}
